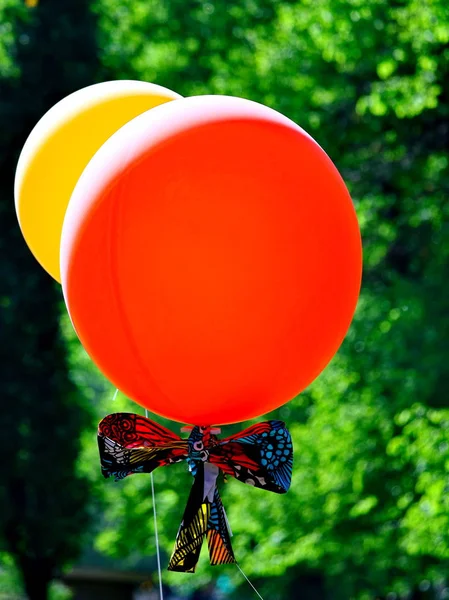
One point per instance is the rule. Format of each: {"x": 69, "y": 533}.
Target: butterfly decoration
{"x": 260, "y": 456}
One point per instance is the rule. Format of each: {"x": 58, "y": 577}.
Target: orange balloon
{"x": 211, "y": 259}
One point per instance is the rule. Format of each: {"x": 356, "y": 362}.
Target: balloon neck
{"x": 213, "y": 430}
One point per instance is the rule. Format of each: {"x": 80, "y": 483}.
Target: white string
{"x": 115, "y": 395}
{"x": 156, "y": 536}
{"x": 157, "y": 540}
{"x": 240, "y": 569}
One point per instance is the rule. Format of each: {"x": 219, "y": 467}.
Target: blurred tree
{"x": 368, "y": 514}
{"x": 45, "y": 53}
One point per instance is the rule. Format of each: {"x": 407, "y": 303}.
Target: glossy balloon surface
{"x": 211, "y": 259}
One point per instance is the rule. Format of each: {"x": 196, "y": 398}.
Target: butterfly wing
{"x": 193, "y": 527}
{"x": 261, "y": 456}
{"x": 218, "y": 534}
{"x": 130, "y": 443}
{"x": 204, "y": 516}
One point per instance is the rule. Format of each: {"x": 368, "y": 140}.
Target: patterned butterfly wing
{"x": 130, "y": 443}
{"x": 261, "y": 455}
{"x": 193, "y": 527}
{"x": 218, "y": 534}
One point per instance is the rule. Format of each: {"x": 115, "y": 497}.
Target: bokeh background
{"x": 367, "y": 516}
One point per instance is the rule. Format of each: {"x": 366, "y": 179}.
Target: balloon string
{"x": 156, "y": 536}
{"x": 240, "y": 569}
{"x": 115, "y": 395}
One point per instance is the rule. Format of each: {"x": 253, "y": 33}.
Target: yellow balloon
{"x": 59, "y": 148}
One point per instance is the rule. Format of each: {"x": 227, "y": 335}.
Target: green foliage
{"x": 11, "y": 586}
